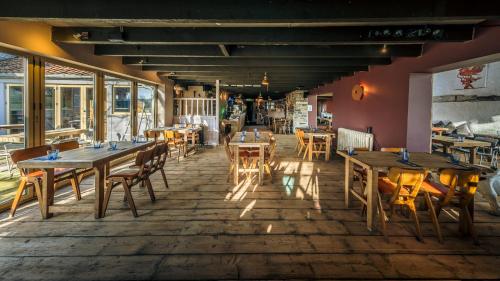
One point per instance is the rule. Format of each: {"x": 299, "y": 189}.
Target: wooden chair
{"x": 70, "y": 145}
{"x": 402, "y": 187}
{"x": 456, "y": 189}
{"x": 318, "y": 144}
{"x": 243, "y": 156}
{"x": 173, "y": 142}
{"x": 154, "y": 135}
{"x": 269, "y": 156}
{"x": 131, "y": 176}
{"x": 34, "y": 177}
{"x": 160, "y": 158}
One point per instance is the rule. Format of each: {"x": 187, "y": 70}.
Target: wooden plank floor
{"x": 205, "y": 228}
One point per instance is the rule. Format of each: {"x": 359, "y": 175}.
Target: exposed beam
{"x": 250, "y": 13}
{"x": 224, "y": 50}
{"x": 158, "y": 50}
{"x": 246, "y": 69}
{"x": 251, "y": 62}
{"x": 336, "y": 51}
{"x": 264, "y": 36}
{"x": 285, "y": 85}
{"x": 258, "y": 76}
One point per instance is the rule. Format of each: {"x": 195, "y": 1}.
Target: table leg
{"x": 328, "y": 147}
{"x": 311, "y": 139}
{"x": 472, "y": 155}
{"x": 372, "y": 189}
{"x": 185, "y": 144}
{"x": 348, "y": 182}
{"x": 47, "y": 191}
{"x": 261, "y": 164}
{"x": 236, "y": 164}
{"x": 193, "y": 140}
{"x": 99, "y": 183}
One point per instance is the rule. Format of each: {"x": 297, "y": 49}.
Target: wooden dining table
{"x": 250, "y": 141}
{"x": 97, "y": 159}
{"x": 377, "y": 161}
{"x": 328, "y": 136}
{"x": 472, "y": 145}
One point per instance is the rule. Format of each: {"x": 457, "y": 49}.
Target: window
{"x": 12, "y": 100}
{"x": 145, "y": 98}
{"x": 50, "y": 105}
{"x": 66, "y": 92}
{"x": 70, "y": 107}
{"x": 118, "y": 114}
{"x": 15, "y": 105}
{"x": 121, "y": 99}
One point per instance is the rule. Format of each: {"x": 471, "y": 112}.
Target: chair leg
{"x": 130, "y": 200}
{"x": 268, "y": 168}
{"x": 231, "y": 168}
{"x": 38, "y": 192}
{"x": 150, "y": 190}
{"x": 432, "y": 213}
{"x": 75, "y": 186}
{"x": 164, "y": 177}
{"x": 107, "y": 196}
{"x": 413, "y": 212}
{"x": 381, "y": 216}
{"x": 17, "y": 198}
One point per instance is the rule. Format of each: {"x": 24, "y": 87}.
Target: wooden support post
{"x": 133, "y": 109}
{"x": 100, "y": 107}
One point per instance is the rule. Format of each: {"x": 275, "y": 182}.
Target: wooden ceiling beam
{"x": 254, "y": 62}
{"x": 253, "y": 51}
{"x": 165, "y": 70}
{"x": 416, "y": 34}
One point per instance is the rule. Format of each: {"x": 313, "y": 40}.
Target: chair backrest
{"x": 143, "y": 158}
{"x": 149, "y": 134}
{"x": 300, "y": 136}
{"x": 390, "y": 149}
{"x": 66, "y": 145}
{"x": 161, "y": 154}
{"x": 410, "y": 180}
{"x": 463, "y": 182}
{"x": 169, "y": 135}
{"x": 28, "y": 153}
{"x": 467, "y": 182}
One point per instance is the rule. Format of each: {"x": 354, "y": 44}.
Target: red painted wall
{"x": 385, "y": 105}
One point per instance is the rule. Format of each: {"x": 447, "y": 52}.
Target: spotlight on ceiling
{"x": 384, "y": 49}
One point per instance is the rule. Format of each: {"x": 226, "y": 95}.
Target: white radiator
{"x": 356, "y": 139}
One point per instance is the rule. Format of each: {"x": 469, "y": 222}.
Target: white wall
{"x": 419, "y": 116}
{"x": 444, "y": 83}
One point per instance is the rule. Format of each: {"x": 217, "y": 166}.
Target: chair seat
{"x": 57, "y": 172}
{"x": 434, "y": 188}
{"x": 125, "y": 173}
{"x": 386, "y": 186}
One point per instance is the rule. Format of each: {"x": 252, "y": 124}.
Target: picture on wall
{"x": 471, "y": 77}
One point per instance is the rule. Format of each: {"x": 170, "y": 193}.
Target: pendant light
{"x": 265, "y": 81}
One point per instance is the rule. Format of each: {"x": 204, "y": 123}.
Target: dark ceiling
{"x": 299, "y": 44}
